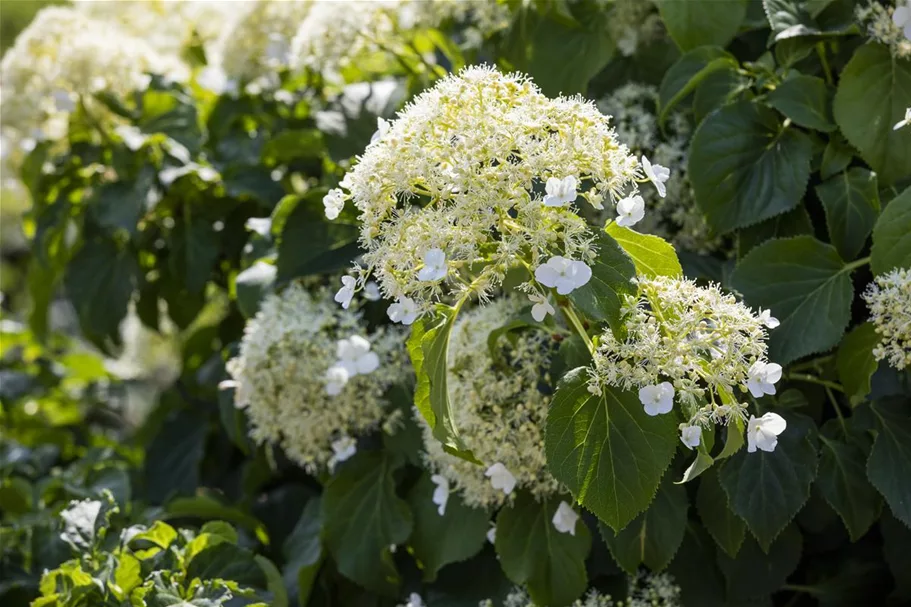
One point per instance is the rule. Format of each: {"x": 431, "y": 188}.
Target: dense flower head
{"x": 64, "y": 56}
{"x": 643, "y": 590}
{"x": 889, "y": 25}
{"x": 675, "y": 217}
{"x": 889, "y": 300}
{"x": 687, "y": 344}
{"x": 481, "y": 167}
{"x": 258, "y": 42}
{"x": 500, "y": 412}
{"x": 311, "y": 377}
{"x": 633, "y": 24}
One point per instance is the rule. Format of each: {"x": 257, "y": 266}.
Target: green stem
{"x": 812, "y": 379}
{"x": 577, "y": 325}
{"x": 850, "y": 267}
{"x": 821, "y": 51}
{"x": 813, "y": 364}
{"x": 834, "y": 402}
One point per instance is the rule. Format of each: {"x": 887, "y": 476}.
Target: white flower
{"x": 501, "y": 478}
{"x": 762, "y": 377}
{"x": 902, "y": 19}
{"x": 766, "y": 318}
{"x": 355, "y": 357}
{"x": 563, "y": 274}
{"x": 630, "y": 211}
{"x": 277, "y": 49}
{"x": 542, "y": 307}
{"x": 763, "y": 432}
{"x": 334, "y": 202}
{"x": 565, "y": 519}
{"x": 64, "y": 101}
{"x": 372, "y": 291}
{"x": 441, "y": 493}
{"x": 213, "y": 78}
{"x": 560, "y": 191}
{"x": 492, "y": 534}
{"x": 343, "y": 449}
{"x": 904, "y": 121}
{"x": 404, "y": 310}
{"x": 690, "y": 436}
{"x": 415, "y": 600}
{"x": 657, "y": 399}
{"x": 434, "y": 266}
{"x": 131, "y": 136}
{"x": 344, "y": 295}
{"x": 657, "y": 174}
{"x": 336, "y": 378}
{"x": 382, "y": 127}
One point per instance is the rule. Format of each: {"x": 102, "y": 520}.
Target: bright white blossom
{"x": 447, "y": 150}
{"x": 565, "y": 519}
{"x": 355, "y": 357}
{"x": 372, "y": 291}
{"x": 440, "y": 493}
{"x": 691, "y": 436}
{"x": 762, "y": 432}
{"x": 334, "y": 202}
{"x": 501, "y": 478}
{"x": 501, "y": 409}
{"x": 643, "y": 590}
{"x": 887, "y": 25}
{"x": 414, "y": 600}
{"x": 403, "y": 310}
{"x": 565, "y": 275}
{"x": 541, "y": 307}
{"x": 560, "y": 192}
{"x": 902, "y": 18}
{"x": 762, "y": 377}
{"x": 630, "y": 211}
{"x": 766, "y": 318}
{"x": 346, "y": 293}
{"x": 904, "y": 121}
{"x": 283, "y": 379}
{"x": 657, "y": 400}
{"x": 889, "y": 299}
{"x": 434, "y": 266}
{"x": 492, "y": 534}
{"x": 343, "y": 449}
{"x": 657, "y": 174}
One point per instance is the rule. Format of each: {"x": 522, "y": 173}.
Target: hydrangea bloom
{"x": 61, "y": 58}
{"x": 687, "y": 344}
{"x": 500, "y": 411}
{"x": 310, "y": 376}
{"x": 643, "y": 590}
{"x": 464, "y": 170}
{"x": 888, "y": 298}
{"x": 889, "y": 25}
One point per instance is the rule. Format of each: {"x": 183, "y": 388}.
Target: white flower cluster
{"x": 168, "y": 26}
{"x": 500, "y": 411}
{"x": 643, "y": 590}
{"x": 479, "y": 175}
{"x": 258, "y": 42}
{"x": 633, "y": 23}
{"x": 889, "y": 300}
{"x": 691, "y": 344}
{"x": 63, "y": 57}
{"x": 311, "y": 378}
{"x": 889, "y": 25}
{"x": 674, "y": 217}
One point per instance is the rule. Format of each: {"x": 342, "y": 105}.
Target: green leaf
{"x": 226, "y": 561}
{"x": 807, "y": 287}
{"x": 533, "y": 553}
{"x": 717, "y": 89}
{"x": 889, "y": 465}
{"x": 757, "y": 573}
{"x": 836, "y": 157}
{"x": 688, "y": 73}
{"x": 873, "y": 92}
{"x": 428, "y": 347}
{"x": 303, "y": 552}
{"x": 855, "y": 362}
{"x": 194, "y": 248}
{"x": 693, "y": 23}
{"x": 806, "y": 100}
{"x": 651, "y": 255}
{"x": 561, "y": 57}
{"x": 892, "y": 236}
{"x": 173, "y": 457}
{"x": 274, "y": 582}
{"x": 851, "y": 203}
{"x": 99, "y": 281}
{"x": 456, "y": 536}
{"x": 605, "y": 449}
{"x": 120, "y": 204}
{"x": 363, "y": 517}
{"x": 745, "y": 166}
{"x": 768, "y": 489}
{"x": 843, "y": 483}
{"x": 612, "y": 278}
{"x": 312, "y": 245}
{"x": 293, "y": 145}
{"x": 208, "y": 506}
{"x": 252, "y": 285}
{"x": 896, "y": 539}
{"x": 725, "y": 527}
{"x": 654, "y": 536}
{"x": 792, "y": 223}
